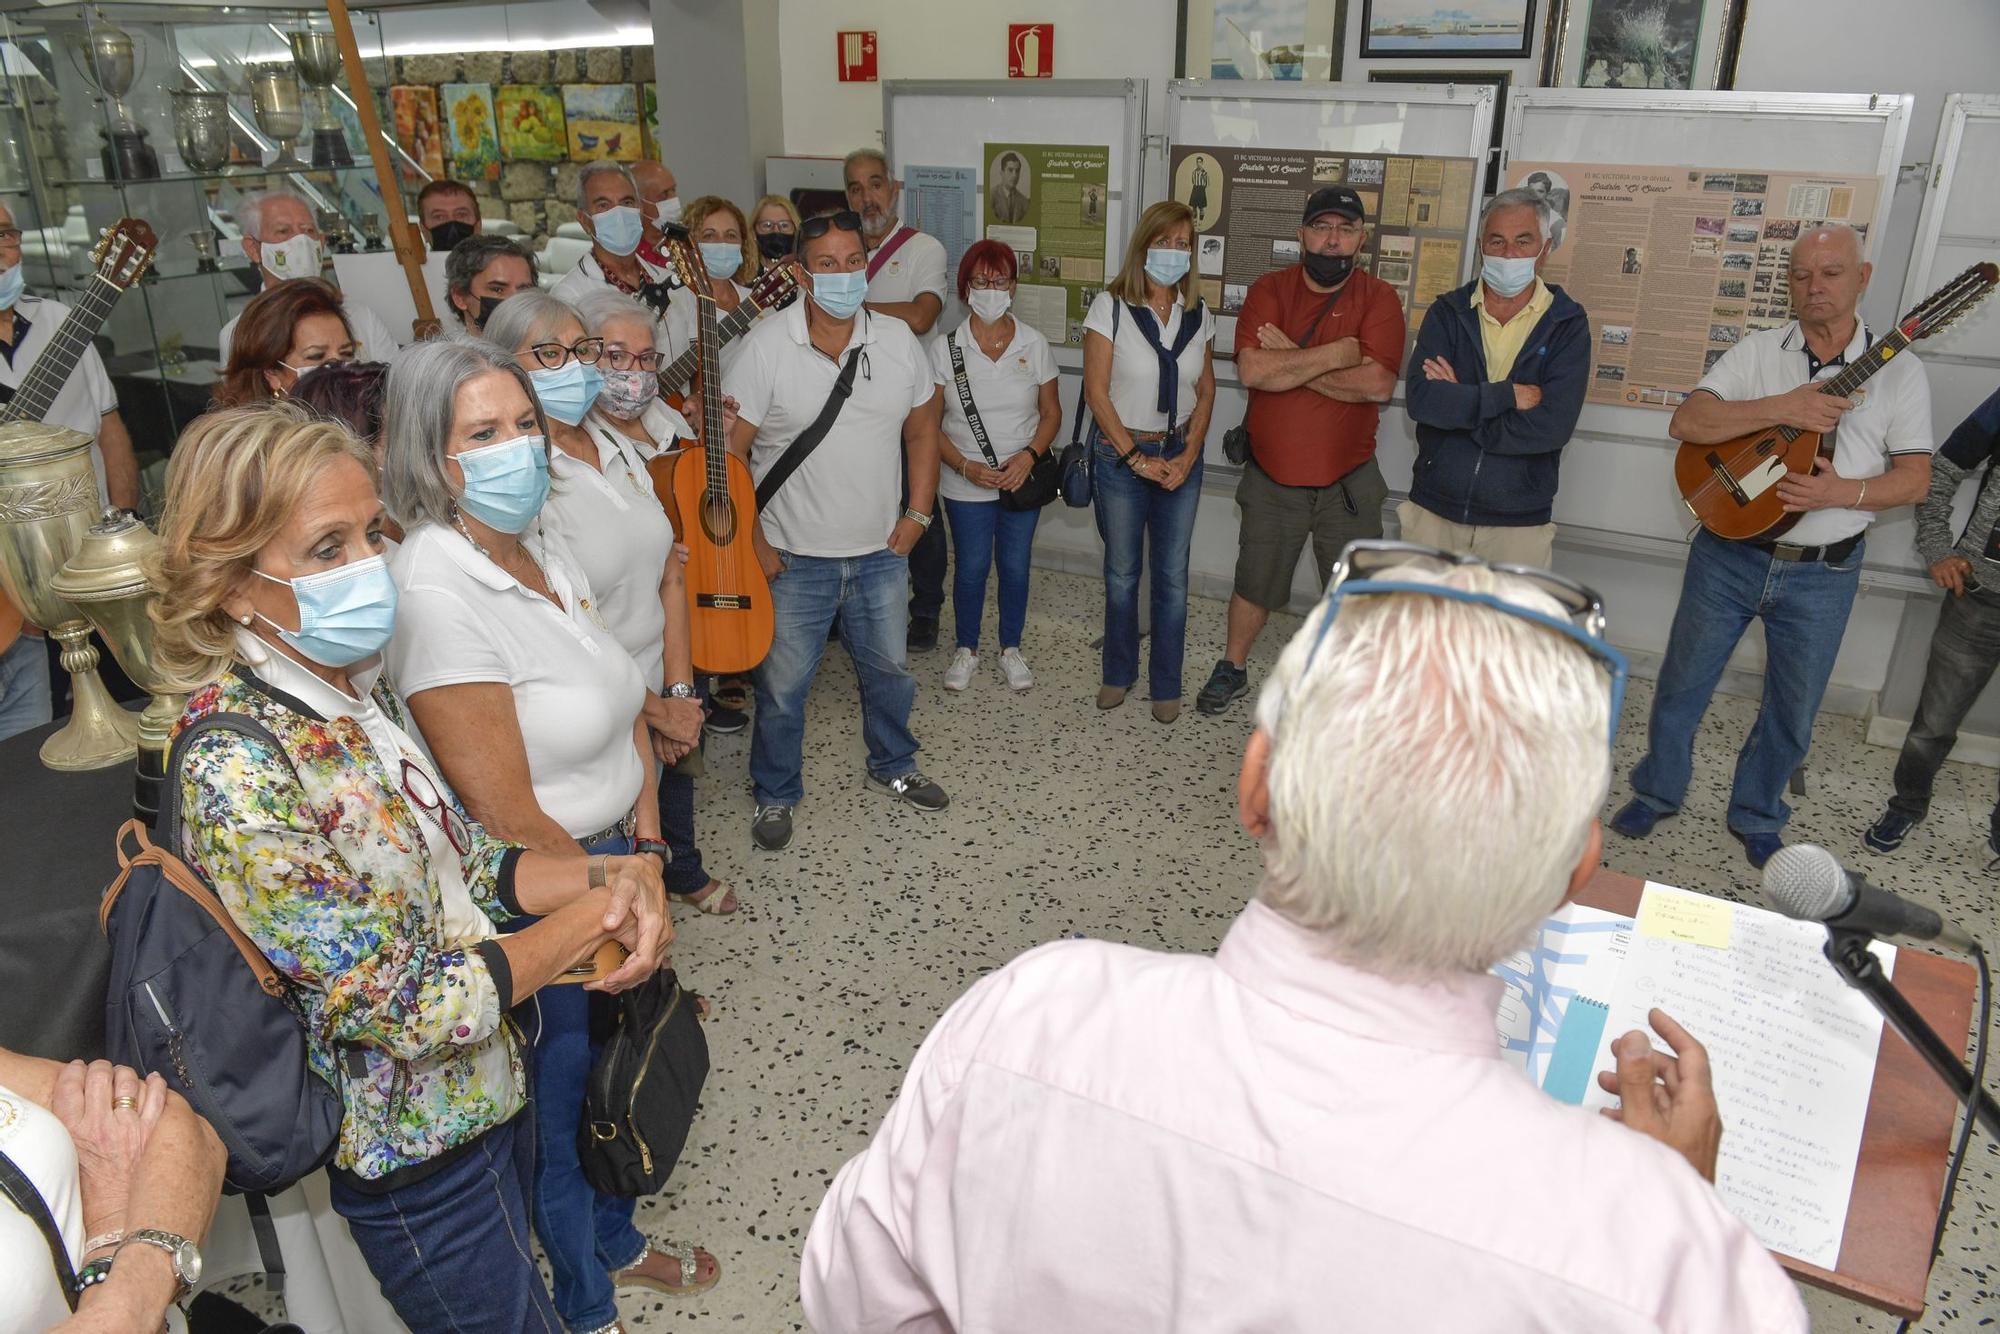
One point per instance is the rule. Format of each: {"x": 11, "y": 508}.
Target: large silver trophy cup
{"x": 318, "y": 57}
{"x": 201, "y": 128}
{"x": 109, "y": 59}
{"x": 274, "y": 96}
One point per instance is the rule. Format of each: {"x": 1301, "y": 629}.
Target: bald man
{"x": 1802, "y": 586}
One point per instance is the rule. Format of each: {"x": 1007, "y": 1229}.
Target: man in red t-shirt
{"x": 1319, "y": 346}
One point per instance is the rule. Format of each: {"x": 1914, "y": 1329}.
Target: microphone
{"x": 1807, "y": 882}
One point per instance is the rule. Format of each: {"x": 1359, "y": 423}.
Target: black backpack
{"x": 194, "y": 1000}
{"x": 640, "y": 1099}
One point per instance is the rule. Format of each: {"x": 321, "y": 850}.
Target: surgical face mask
{"x": 776, "y": 245}
{"x": 448, "y": 234}
{"x": 989, "y": 303}
{"x": 1508, "y": 276}
{"x": 840, "y": 294}
{"x": 1166, "y": 267}
{"x": 505, "y": 484}
{"x": 297, "y": 257}
{"x": 487, "y": 305}
{"x": 1328, "y": 270}
{"x": 567, "y": 392}
{"x": 345, "y": 614}
{"x": 627, "y": 393}
{"x": 721, "y": 258}
{"x": 619, "y": 230}
{"x": 11, "y": 282}
{"x": 668, "y": 210}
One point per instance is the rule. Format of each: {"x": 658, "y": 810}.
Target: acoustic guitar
{"x": 709, "y": 496}
{"x": 1732, "y": 487}
{"x": 770, "y": 290}
{"x": 123, "y": 253}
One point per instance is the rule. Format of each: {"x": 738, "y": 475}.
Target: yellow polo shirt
{"x": 1503, "y": 342}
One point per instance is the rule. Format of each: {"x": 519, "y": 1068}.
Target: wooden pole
{"x": 409, "y": 246}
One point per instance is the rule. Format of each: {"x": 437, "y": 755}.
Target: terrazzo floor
{"x": 1067, "y": 820}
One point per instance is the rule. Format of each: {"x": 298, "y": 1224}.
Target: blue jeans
{"x": 451, "y": 1252}
{"x": 868, "y": 593}
{"x": 588, "y": 1235}
{"x": 1804, "y": 607}
{"x": 684, "y": 874}
{"x": 1965, "y": 649}
{"x": 927, "y": 564}
{"x": 24, "y": 686}
{"x": 983, "y": 532}
{"x": 1131, "y": 514}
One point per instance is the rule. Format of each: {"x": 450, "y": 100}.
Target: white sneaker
{"x": 959, "y": 675}
{"x": 1015, "y": 668}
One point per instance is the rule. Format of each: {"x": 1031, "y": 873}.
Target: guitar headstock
{"x": 1938, "y": 311}
{"x": 773, "y": 287}
{"x": 124, "y": 251}
{"x": 680, "y": 254}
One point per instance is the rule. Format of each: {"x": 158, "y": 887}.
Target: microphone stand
{"x": 1857, "y": 965}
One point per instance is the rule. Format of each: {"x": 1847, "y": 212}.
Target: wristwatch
{"x": 186, "y": 1255}
{"x": 918, "y": 517}
{"x": 681, "y": 690}
{"x": 656, "y": 847}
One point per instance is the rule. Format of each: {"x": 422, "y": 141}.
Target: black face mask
{"x": 775, "y": 245}
{"x": 448, "y": 234}
{"x": 487, "y": 305}
{"x": 1328, "y": 270}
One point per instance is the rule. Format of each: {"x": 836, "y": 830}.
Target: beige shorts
{"x": 1531, "y": 544}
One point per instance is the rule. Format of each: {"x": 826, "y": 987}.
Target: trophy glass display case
{"x": 174, "y": 113}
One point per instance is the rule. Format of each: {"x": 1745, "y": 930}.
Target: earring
{"x": 245, "y": 618}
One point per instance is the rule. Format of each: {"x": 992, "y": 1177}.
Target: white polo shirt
{"x": 613, "y": 525}
{"x": 85, "y": 395}
{"x": 673, "y": 333}
{"x": 373, "y": 340}
{"x": 845, "y": 499}
{"x": 1893, "y": 415}
{"x": 577, "y": 693}
{"x": 1007, "y": 393}
{"x": 916, "y": 267}
{"x": 1135, "y": 370}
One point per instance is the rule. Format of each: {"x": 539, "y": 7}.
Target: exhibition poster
{"x": 943, "y": 202}
{"x": 1049, "y": 202}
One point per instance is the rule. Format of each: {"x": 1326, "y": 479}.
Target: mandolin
{"x": 1732, "y": 487}
{"x": 769, "y": 291}
{"x": 709, "y": 496}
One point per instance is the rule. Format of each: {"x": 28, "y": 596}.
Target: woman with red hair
{"x": 285, "y": 331}
{"x": 1000, "y": 413}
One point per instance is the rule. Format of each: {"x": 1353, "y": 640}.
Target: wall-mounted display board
{"x": 1960, "y": 226}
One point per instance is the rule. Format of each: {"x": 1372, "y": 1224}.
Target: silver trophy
{"x": 204, "y": 240}
{"x": 318, "y": 57}
{"x": 110, "y": 61}
{"x": 274, "y": 95}
{"x": 201, "y": 128}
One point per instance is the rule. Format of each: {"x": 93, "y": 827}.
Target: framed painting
{"x": 1447, "y": 29}
{"x": 1496, "y": 79}
{"x": 413, "y": 110}
{"x": 1293, "y": 40}
{"x": 1665, "y": 44}
{"x": 603, "y": 121}
{"x": 531, "y": 122}
{"x": 475, "y": 146}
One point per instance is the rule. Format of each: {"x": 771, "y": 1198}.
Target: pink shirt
{"x": 1104, "y": 1138}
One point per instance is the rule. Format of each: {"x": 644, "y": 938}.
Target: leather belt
{"x": 623, "y": 829}
{"x": 1150, "y": 437}
{"x": 1791, "y": 551}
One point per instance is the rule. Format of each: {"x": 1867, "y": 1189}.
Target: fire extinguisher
{"x": 1028, "y": 51}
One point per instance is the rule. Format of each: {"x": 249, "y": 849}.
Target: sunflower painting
{"x": 531, "y": 122}
{"x": 603, "y": 120}
{"x": 474, "y": 147}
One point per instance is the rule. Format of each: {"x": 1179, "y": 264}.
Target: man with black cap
{"x": 1318, "y": 346}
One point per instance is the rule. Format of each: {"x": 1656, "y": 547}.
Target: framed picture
{"x": 1261, "y": 39}
{"x": 1447, "y": 29}
{"x": 1667, "y": 44}
{"x": 1496, "y": 79}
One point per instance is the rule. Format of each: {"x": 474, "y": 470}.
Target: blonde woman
{"x": 345, "y": 856}
{"x": 1149, "y": 378}
{"x": 722, "y": 236}
{"x": 775, "y": 223}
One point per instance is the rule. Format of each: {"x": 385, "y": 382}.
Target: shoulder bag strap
{"x": 965, "y": 403}
{"x": 890, "y": 247}
{"x": 808, "y": 439}
{"x": 1324, "y": 311}
{"x": 16, "y": 1185}
{"x": 1076, "y": 427}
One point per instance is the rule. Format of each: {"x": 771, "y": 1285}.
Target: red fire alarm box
{"x": 856, "y": 53}
{"x": 1031, "y": 50}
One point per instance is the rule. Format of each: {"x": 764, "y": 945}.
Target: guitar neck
{"x": 1855, "y": 373}
{"x": 711, "y": 386}
{"x": 51, "y": 370}
{"x": 677, "y": 377}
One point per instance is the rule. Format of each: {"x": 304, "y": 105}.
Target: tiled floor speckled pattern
{"x": 1068, "y": 820}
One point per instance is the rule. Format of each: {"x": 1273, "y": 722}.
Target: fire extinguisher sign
{"x": 1031, "y": 50}
{"x": 856, "y": 52}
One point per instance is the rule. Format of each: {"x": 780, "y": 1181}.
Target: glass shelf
{"x": 246, "y": 172}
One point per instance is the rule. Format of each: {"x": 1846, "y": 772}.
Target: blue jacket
{"x": 1479, "y": 460}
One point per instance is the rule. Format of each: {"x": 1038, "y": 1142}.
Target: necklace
{"x": 458, "y": 522}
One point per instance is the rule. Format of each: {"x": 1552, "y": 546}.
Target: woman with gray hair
{"x": 532, "y": 710}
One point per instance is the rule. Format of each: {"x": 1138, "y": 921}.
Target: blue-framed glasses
{"x": 1364, "y": 562}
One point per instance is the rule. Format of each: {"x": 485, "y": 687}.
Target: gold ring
{"x": 126, "y": 1101}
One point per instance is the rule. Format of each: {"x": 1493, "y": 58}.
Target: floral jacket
{"x": 319, "y": 858}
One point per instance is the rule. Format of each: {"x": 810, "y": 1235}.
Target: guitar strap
{"x": 21, "y": 1192}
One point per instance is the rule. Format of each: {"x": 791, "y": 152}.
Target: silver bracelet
{"x": 1862, "y": 499}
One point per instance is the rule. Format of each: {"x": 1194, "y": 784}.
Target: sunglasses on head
{"x": 814, "y": 228}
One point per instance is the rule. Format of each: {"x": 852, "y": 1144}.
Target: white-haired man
{"x": 611, "y": 209}
{"x": 1801, "y": 586}
{"x": 1313, "y": 1128}
{"x": 283, "y": 240}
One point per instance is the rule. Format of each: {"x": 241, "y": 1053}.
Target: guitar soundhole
{"x": 718, "y": 519}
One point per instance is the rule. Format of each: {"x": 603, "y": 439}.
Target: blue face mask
{"x": 505, "y": 484}
{"x": 1166, "y": 267}
{"x": 345, "y": 614}
{"x": 1508, "y": 277}
{"x": 721, "y": 258}
{"x": 619, "y": 229}
{"x": 840, "y": 294}
{"x": 568, "y": 391}
{"x": 11, "y": 282}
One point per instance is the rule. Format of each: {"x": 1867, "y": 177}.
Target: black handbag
{"x": 1044, "y": 478}
{"x": 640, "y": 1100}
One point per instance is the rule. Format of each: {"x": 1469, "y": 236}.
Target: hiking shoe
{"x": 1888, "y": 831}
{"x": 771, "y": 828}
{"x": 1015, "y": 668}
{"x": 1226, "y": 683}
{"x": 913, "y": 788}
{"x": 923, "y": 633}
{"x": 959, "y": 675}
